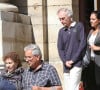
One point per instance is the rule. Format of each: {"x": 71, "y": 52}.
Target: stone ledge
{"x": 8, "y": 7}
{"x": 15, "y": 17}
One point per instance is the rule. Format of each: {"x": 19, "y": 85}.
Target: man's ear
{"x": 38, "y": 57}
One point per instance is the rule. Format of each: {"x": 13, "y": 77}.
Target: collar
{"x": 71, "y": 25}
{"x": 38, "y": 68}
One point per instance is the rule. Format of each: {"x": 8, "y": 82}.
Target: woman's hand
{"x": 95, "y": 48}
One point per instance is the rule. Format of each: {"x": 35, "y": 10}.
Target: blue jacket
{"x": 6, "y": 85}
{"x": 71, "y": 44}
{"x": 13, "y": 79}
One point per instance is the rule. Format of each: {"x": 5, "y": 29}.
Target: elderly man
{"x": 71, "y": 44}
{"x": 39, "y": 75}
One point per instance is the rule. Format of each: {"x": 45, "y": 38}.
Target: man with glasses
{"x": 39, "y": 75}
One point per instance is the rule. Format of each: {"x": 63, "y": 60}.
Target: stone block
{"x": 8, "y": 7}
{"x": 52, "y": 33}
{"x": 59, "y": 2}
{"x": 26, "y": 2}
{"x": 36, "y": 20}
{"x": 15, "y": 17}
{"x": 38, "y": 33}
{"x": 37, "y": 11}
{"x": 53, "y": 52}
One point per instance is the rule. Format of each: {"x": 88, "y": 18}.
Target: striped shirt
{"x": 46, "y": 76}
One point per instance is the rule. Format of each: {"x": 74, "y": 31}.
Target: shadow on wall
{"x": 21, "y": 4}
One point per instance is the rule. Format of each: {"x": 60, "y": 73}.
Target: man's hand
{"x": 69, "y": 63}
{"x": 46, "y": 88}
{"x": 36, "y": 88}
{"x": 40, "y": 88}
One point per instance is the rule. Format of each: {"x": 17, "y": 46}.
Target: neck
{"x": 37, "y": 66}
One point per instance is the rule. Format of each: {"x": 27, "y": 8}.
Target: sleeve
{"x": 82, "y": 43}
{"x": 54, "y": 78}
{"x": 60, "y": 46}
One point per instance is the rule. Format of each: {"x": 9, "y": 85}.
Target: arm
{"x": 82, "y": 43}
{"x": 47, "y": 88}
{"x": 60, "y": 47}
{"x": 95, "y": 48}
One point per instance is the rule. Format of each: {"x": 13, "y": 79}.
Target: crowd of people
{"x": 72, "y": 45}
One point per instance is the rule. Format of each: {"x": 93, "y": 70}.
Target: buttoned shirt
{"x": 46, "y": 76}
{"x": 71, "y": 44}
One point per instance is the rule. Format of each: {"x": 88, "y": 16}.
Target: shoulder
{"x": 19, "y": 70}
{"x": 79, "y": 24}
{"x": 48, "y": 66}
{"x": 26, "y": 70}
{"x": 61, "y": 29}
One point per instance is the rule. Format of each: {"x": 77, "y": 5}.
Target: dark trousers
{"x": 88, "y": 77}
{"x": 97, "y": 76}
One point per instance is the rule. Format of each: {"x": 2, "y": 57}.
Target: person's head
{"x": 65, "y": 16}
{"x": 12, "y": 61}
{"x": 33, "y": 55}
{"x": 95, "y": 19}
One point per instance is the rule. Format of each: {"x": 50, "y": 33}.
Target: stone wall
{"x": 15, "y": 33}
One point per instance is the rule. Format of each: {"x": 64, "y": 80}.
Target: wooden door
{"x": 85, "y": 8}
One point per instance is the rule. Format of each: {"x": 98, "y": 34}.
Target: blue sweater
{"x": 71, "y": 44}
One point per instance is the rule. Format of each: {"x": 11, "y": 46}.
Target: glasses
{"x": 28, "y": 57}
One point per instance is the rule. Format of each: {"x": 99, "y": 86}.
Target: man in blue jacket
{"x": 71, "y": 45}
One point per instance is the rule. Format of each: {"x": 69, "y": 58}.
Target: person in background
{"x": 92, "y": 73}
{"x": 71, "y": 44}
{"x": 39, "y": 75}
{"x": 11, "y": 77}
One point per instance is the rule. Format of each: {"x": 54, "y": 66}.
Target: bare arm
{"x": 95, "y": 48}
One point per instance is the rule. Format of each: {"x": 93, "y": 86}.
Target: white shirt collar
{"x": 73, "y": 24}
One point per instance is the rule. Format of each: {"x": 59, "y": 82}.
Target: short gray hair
{"x": 69, "y": 13}
{"x": 35, "y": 49}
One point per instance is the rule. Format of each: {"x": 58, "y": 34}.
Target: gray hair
{"x": 69, "y": 13}
{"x": 35, "y": 49}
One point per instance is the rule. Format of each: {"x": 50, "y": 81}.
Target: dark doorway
{"x": 85, "y": 8}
